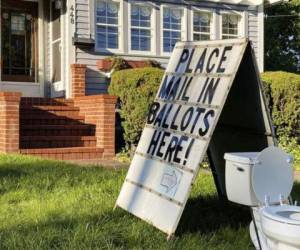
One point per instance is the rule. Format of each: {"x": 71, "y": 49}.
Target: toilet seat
{"x": 284, "y": 214}
{"x": 272, "y": 176}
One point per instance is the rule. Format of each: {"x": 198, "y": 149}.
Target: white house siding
{"x": 97, "y": 83}
{"x": 253, "y": 32}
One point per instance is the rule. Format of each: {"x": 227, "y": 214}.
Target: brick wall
{"x": 9, "y": 122}
{"x": 78, "y": 80}
{"x": 100, "y": 111}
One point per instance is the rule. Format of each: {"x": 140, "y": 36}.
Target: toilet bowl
{"x": 281, "y": 225}
{"x": 263, "y": 181}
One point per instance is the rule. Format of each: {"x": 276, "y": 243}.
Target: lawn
{"x": 54, "y": 205}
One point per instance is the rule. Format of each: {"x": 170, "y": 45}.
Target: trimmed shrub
{"x": 136, "y": 89}
{"x": 282, "y": 90}
{"x": 291, "y": 146}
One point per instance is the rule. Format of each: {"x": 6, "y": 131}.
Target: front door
{"x": 19, "y": 41}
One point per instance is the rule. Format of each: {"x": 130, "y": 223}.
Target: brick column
{"x": 100, "y": 111}
{"x": 78, "y": 80}
{"x": 9, "y": 122}
{"x": 106, "y": 126}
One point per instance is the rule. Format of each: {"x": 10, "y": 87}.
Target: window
{"x": 230, "y": 24}
{"x": 172, "y": 28}
{"x": 140, "y": 28}
{"x": 107, "y": 21}
{"x": 201, "y": 26}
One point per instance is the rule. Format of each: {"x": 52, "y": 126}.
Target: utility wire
{"x": 279, "y": 16}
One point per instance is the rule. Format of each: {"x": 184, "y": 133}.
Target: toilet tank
{"x": 238, "y": 174}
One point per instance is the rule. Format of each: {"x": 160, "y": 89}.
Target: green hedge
{"x": 282, "y": 90}
{"x": 283, "y": 94}
{"x": 136, "y": 89}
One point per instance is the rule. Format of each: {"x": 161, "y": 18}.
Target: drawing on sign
{"x": 170, "y": 181}
{"x": 180, "y": 126}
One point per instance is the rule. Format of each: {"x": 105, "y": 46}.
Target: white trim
{"x": 120, "y": 26}
{"x": 152, "y": 29}
{"x": 1, "y": 40}
{"x": 92, "y": 22}
{"x": 41, "y": 51}
{"x": 71, "y": 50}
{"x": 246, "y": 24}
{"x": 261, "y": 42}
{"x": 184, "y": 29}
{"x": 62, "y": 82}
{"x": 19, "y": 83}
{"x": 241, "y": 22}
{"x": 28, "y": 89}
{"x": 212, "y": 21}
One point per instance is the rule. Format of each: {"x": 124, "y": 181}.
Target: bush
{"x": 136, "y": 89}
{"x": 291, "y": 146}
{"x": 283, "y": 95}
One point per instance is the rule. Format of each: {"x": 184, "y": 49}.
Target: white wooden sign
{"x": 179, "y": 127}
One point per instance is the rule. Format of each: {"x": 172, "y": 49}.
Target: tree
{"x": 282, "y": 37}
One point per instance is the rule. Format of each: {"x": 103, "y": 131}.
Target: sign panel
{"x": 178, "y": 130}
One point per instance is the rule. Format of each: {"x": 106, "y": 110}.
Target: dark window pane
{"x": 145, "y": 44}
{"x": 167, "y": 25}
{"x": 112, "y": 21}
{"x": 134, "y": 43}
{"x": 135, "y": 32}
{"x": 145, "y": 24}
{"x": 197, "y": 37}
{"x": 101, "y": 19}
{"x": 176, "y": 35}
{"x": 112, "y": 41}
{"x": 101, "y": 38}
{"x": 112, "y": 30}
{"x": 145, "y": 33}
{"x": 175, "y": 26}
{"x": 101, "y": 29}
{"x": 135, "y": 22}
{"x": 167, "y": 34}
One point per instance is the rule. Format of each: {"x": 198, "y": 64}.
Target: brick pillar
{"x": 106, "y": 126}
{"x": 78, "y": 80}
{"x": 100, "y": 111}
{"x": 9, "y": 122}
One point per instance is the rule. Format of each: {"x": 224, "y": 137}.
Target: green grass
{"x": 53, "y": 205}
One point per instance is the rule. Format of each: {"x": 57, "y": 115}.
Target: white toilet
{"x": 264, "y": 182}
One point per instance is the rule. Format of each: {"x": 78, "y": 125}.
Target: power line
{"x": 280, "y": 16}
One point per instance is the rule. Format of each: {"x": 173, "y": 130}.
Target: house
{"x": 50, "y": 49}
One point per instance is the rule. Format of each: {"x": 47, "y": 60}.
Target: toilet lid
{"x": 273, "y": 175}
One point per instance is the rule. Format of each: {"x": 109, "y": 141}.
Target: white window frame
{"x": 241, "y": 23}
{"x": 152, "y": 29}
{"x": 211, "y": 12}
{"x": 119, "y": 25}
{"x": 184, "y": 30}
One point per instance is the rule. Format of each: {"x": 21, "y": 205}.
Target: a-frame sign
{"x": 210, "y": 100}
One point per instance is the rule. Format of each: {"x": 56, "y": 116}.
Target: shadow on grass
{"x": 11, "y": 173}
{"x": 82, "y": 232}
{"x": 208, "y": 214}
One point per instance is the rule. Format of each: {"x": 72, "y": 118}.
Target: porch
{"x": 78, "y": 128}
